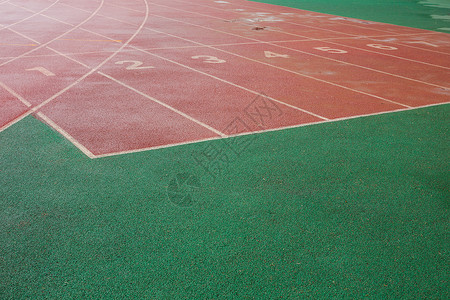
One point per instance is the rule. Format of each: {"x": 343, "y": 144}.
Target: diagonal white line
{"x": 66, "y": 135}
{"x": 29, "y": 17}
{"x": 165, "y": 105}
{"x": 15, "y": 94}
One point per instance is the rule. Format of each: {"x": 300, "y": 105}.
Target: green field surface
{"x": 425, "y": 14}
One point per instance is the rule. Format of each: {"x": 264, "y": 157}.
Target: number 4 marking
{"x": 134, "y": 64}
{"x": 269, "y": 54}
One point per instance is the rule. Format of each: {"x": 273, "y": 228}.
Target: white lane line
{"x": 66, "y": 135}
{"x": 387, "y": 31}
{"x": 82, "y": 77}
{"x": 253, "y": 60}
{"x": 165, "y": 105}
{"x": 24, "y": 36}
{"x": 29, "y": 17}
{"x": 198, "y": 71}
{"x": 58, "y": 37}
{"x": 331, "y": 59}
{"x": 305, "y": 37}
{"x": 15, "y": 94}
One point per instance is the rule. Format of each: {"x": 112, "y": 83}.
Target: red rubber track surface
{"x": 123, "y": 76}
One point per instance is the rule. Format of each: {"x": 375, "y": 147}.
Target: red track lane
{"x": 304, "y": 93}
{"x": 194, "y": 91}
{"x": 240, "y": 7}
{"x": 245, "y": 27}
{"x": 389, "y": 87}
{"x": 195, "y": 94}
{"x": 11, "y": 15}
{"x": 31, "y": 5}
{"x": 90, "y": 5}
{"x": 12, "y": 44}
{"x": 80, "y": 41}
{"x": 117, "y": 119}
{"x": 10, "y": 107}
{"x": 420, "y": 54}
{"x": 41, "y": 29}
{"x": 376, "y": 61}
{"x": 242, "y": 23}
{"x": 36, "y": 86}
{"x": 60, "y": 10}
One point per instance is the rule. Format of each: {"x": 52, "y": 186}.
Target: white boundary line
{"x": 265, "y": 131}
{"x": 15, "y": 94}
{"x": 66, "y": 135}
{"x": 301, "y": 125}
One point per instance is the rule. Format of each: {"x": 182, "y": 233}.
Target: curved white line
{"x": 58, "y": 37}
{"x": 36, "y": 108}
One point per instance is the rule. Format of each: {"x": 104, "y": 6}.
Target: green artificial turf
{"x": 425, "y": 14}
{"x": 353, "y": 209}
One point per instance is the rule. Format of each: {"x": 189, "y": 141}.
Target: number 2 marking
{"x": 331, "y": 50}
{"x": 134, "y": 64}
{"x": 209, "y": 59}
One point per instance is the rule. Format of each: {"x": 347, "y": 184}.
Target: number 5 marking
{"x": 331, "y": 50}
{"x": 134, "y": 64}
{"x": 210, "y": 59}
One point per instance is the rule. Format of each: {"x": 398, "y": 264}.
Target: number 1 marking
{"x": 42, "y": 70}
{"x": 134, "y": 65}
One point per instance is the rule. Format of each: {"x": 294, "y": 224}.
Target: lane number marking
{"x": 331, "y": 50}
{"x": 42, "y": 70}
{"x": 209, "y": 59}
{"x": 270, "y": 54}
{"x": 134, "y": 65}
{"x": 382, "y": 47}
{"x": 425, "y": 43}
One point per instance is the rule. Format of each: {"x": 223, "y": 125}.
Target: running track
{"x": 117, "y": 77}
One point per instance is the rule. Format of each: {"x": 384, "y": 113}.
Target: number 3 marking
{"x": 331, "y": 50}
{"x": 209, "y": 59}
{"x": 134, "y": 64}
